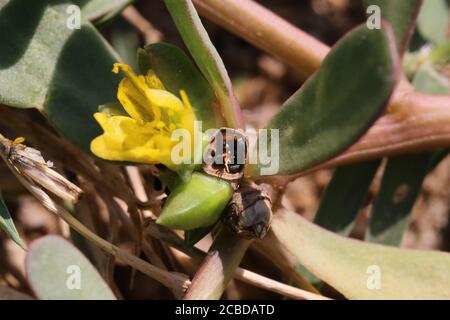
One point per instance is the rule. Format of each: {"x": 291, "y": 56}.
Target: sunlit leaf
{"x": 433, "y": 20}
{"x": 430, "y": 81}
{"x": 57, "y": 270}
{"x": 356, "y": 268}
{"x": 206, "y": 56}
{"x": 94, "y": 9}
{"x": 339, "y": 103}
{"x": 63, "y": 72}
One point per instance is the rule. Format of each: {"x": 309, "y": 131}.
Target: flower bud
{"x": 196, "y": 203}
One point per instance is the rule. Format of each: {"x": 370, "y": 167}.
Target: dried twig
{"x": 30, "y": 164}
{"x": 149, "y": 32}
{"x": 275, "y": 286}
{"x": 172, "y": 280}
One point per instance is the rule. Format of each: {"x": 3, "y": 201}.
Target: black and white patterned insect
{"x": 226, "y": 154}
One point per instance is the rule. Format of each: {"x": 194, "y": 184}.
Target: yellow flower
{"x": 154, "y": 113}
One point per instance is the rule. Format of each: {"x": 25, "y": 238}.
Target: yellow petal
{"x": 164, "y": 100}
{"x": 125, "y": 139}
{"x": 19, "y": 140}
{"x": 145, "y": 136}
{"x": 153, "y": 81}
{"x": 135, "y": 103}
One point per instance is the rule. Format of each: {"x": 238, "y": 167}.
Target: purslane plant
{"x": 329, "y": 113}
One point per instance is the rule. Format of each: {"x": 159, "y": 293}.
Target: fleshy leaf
{"x": 400, "y": 186}
{"x": 430, "y": 81}
{"x": 125, "y": 41}
{"x": 344, "y": 196}
{"x": 350, "y": 184}
{"x": 402, "y": 15}
{"x": 94, "y": 9}
{"x": 339, "y": 103}
{"x": 404, "y": 175}
{"x": 7, "y": 224}
{"x": 57, "y": 270}
{"x": 177, "y": 72}
{"x": 433, "y": 20}
{"x": 356, "y": 268}
{"x": 207, "y": 58}
{"x": 63, "y": 72}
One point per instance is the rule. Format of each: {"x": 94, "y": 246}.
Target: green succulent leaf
{"x": 197, "y": 203}
{"x": 400, "y": 187}
{"x": 350, "y": 184}
{"x": 430, "y": 81}
{"x": 339, "y": 103}
{"x": 207, "y": 58}
{"x": 44, "y": 64}
{"x": 433, "y": 21}
{"x": 7, "y": 224}
{"x": 354, "y": 267}
{"x": 177, "y": 72}
{"x": 440, "y": 54}
{"x": 402, "y": 15}
{"x": 106, "y": 9}
{"x": 57, "y": 270}
{"x": 345, "y": 195}
{"x": 125, "y": 41}
{"x": 437, "y": 157}
{"x": 404, "y": 175}
{"x": 341, "y": 203}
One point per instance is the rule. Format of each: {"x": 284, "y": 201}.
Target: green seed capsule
{"x": 196, "y": 203}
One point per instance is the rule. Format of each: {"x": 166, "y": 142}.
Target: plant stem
{"x": 267, "y": 31}
{"x": 418, "y": 122}
{"x": 148, "y": 31}
{"x": 218, "y": 267}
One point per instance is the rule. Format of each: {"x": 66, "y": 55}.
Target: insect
{"x": 226, "y": 154}
{"x": 249, "y": 212}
